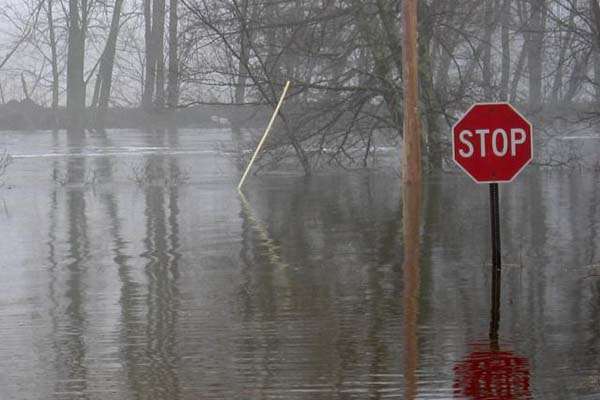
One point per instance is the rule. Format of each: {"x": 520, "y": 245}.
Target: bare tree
{"x": 54, "y": 56}
{"x": 150, "y": 75}
{"x": 25, "y": 31}
{"x": 240, "y": 87}
{"x": 158, "y": 32}
{"x": 78, "y": 13}
{"x": 505, "y": 38}
{"x": 537, "y": 20}
{"x": 487, "y": 67}
{"x": 595, "y": 7}
{"x": 173, "y": 73}
{"x": 105, "y": 72}
{"x": 154, "y": 90}
{"x": 565, "y": 42}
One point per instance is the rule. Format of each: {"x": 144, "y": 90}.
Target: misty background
{"x": 129, "y": 63}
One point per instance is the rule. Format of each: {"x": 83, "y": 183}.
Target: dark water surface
{"x": 131, "y": 269}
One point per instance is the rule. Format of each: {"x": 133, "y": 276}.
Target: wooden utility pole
{"x": 411, "y": 164}
{"x": 411, "y": 175}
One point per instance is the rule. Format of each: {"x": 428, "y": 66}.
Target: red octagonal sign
{"x": 492, "y": 142}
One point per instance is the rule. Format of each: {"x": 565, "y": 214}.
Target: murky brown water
{"x": 305, "y": 289}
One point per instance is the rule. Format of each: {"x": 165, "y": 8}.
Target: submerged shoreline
{"x": 26, "y": 115}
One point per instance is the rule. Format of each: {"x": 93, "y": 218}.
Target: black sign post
{"x": 496, "y": 261}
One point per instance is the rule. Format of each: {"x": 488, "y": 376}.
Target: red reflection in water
{"x": 490, "y": 374}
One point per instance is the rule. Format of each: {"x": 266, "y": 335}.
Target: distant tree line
{"x": 344, "y": 58}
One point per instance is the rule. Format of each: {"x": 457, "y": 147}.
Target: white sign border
{"x": 487, "y": 104}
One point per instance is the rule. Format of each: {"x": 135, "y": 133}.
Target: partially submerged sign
{"x": 492, "y": 142}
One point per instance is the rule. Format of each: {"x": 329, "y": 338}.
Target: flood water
{"x": 131, "y": 268}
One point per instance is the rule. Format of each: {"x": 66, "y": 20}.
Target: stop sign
{"x": 492, "y": 142}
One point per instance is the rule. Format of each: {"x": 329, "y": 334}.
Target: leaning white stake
{"x": 287, "y": 85}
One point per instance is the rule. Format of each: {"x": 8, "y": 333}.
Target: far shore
{"x": 27, "y": 116}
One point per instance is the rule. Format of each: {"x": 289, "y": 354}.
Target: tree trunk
{"x": 431, "y": 132}
{"x": 391, "y": 32}
{"x": 107, "y": 64}
{"x": 557, "y": 84}
{"x": 442, "y": 74}
{"x": 96, "y": 93}
{"x": 158, "y": 31}
{"x": 150, "y": 70}
{"x": 514, "y": 86}
{"x": 596, "y": 30}
{"x": 595, "y": 6}
{"x": 242, "y": 70}
{"x": 173, "y": 75}
{"x": 578, "y": 76}
{"x": 271, "y": 45}
{"x": 447, "y": 46}
{"x": 535, "y": 53}
{"x": 523, "y": 54}
{"x": 53, "y": 58}
{"x": 505, "y": 74}
{"x": 597, "y": 76}
{"x": 565, "y": 43}
{"x": 488, "y": 87}
{"x": 24, "y": 86}
{"x": 240, "y": 87}
{"x": 75, "y": 65}
{"x": 382, "y": 68}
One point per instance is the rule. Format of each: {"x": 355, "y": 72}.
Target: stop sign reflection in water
{"x": 492, "y": 142}
{"x": 492, "y": 374}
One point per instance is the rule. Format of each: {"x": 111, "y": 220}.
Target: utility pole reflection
{"x": 411, "y": 210}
